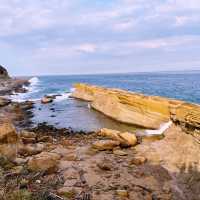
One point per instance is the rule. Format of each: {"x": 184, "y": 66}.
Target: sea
{"x": 67, "y": 112}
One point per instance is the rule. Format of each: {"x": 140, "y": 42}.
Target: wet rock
{"x": 138, "y": 160}
{"x": 47, "y": 99}
{"x": 105, "y": 144}
{"x": 44, "y": 161}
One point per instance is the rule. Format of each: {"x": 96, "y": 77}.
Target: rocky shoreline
{"x": 46, "y": 163}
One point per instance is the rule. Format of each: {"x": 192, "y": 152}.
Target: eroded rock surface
{"x": 134, "y": 108}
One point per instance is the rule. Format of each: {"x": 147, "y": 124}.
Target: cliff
{"x": 138, "y": 109}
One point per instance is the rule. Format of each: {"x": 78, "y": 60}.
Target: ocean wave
{"x": 72, "y": 90}
{"x": 31, "y": 88}
{"x": 160, "y": 131}
{"x": 62, "y": 97}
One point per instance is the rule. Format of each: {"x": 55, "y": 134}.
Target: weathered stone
{"x": 44, "y": 161}
{"x": 105, "y": 164}
{"x": 125, "y": 106}
{"x": 20, "y": 161}
{"x": 119, "y": 152}
{"x": 46, "y": 100}
{"x": 125, "y": 139}
{"x": 138, "y": 160}
{"x": 4, "y": 102}
{"x": 69, "y": 192}
{"x": 134, "y": 108}
{"x": 27, "y": 134}
{"x": 31, "y": 149}
{"x": 28, "y": 140}
{"x": 3, "y": 73}
{"x": 122, "y": 193}
{"x": 105, "y": 144}
{"x": 45, "y": 138}
{"x": 8, "y": 134}
{"x": 8, "y": 140}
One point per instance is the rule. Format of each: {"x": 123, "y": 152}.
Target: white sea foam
{"x": 72, "y": 90}
{"x": 160, "y": 131}
{"x": 62, "y": 97}
{"x": 32, "y": 88}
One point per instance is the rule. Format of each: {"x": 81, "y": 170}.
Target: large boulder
{"x": 8, "y": 134}
{"x": 125, "y": 138}
{"x": 45, "y": 161}
{"x": 3, "y": 72}
{"x": 105, "y": 144}
{"x": 9, "y": 140}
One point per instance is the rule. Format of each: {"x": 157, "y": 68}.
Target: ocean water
{"x": 69, "y": 112}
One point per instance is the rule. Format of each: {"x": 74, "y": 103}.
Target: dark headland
{"x": 47, "y": 163}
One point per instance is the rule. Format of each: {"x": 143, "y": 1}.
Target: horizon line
{"x": 112, "y": 73}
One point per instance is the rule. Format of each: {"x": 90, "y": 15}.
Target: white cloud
{"x": 86, "y": 48}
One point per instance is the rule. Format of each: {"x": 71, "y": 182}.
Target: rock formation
{"x": 3, "y": 73}
{"x": 134, "y": 108}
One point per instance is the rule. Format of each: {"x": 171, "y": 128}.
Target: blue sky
{"x": 99, "y": 36}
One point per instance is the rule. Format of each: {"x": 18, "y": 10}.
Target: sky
{"x": 99, "y": 36}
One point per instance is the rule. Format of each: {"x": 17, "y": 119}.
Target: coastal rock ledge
{"x": 137, "y": 109}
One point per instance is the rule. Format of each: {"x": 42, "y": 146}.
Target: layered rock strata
{"x": 138, "y": 109}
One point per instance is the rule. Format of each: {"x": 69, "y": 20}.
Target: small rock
{"x": 125, "y": 138}
{"x": 119, "y": 152}
{"x": 46, "y": 100}
{"x": 71, "y": 157}
{"x": 122, "y": 193}
{"x": 138, "y": 160}
{"x": 45, "y": 161}
{"x": 105, "y": 164}
{"x": 27, "y": 134}
{"x": 28, "y": 140}
{"x": 105, "y": 144}
{"x": 20, "y": 161}
{"x": 17, "y": 170}
{"x": 38, "y": 181}
{"x": 69, "y": 192}
{"x": 31, "y": 149}
{"x": 45, "y": 139}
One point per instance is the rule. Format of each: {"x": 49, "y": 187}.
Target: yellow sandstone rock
{"x": 9, "y": 140}
{"x": 126, "y": 138}
{"x": 105, "y": 144}
{"x": 137, "y": 109}
{"x": 45, "y": 161}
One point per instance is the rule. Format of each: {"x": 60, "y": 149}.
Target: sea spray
{"x": 160, "y": 131}
{"x": 31, "y": 88}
